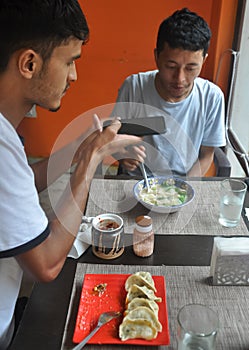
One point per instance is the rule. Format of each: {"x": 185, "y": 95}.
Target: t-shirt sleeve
{"x": 22, "y": 218}
{"x": 125, "y": 91}
{"x": 214, "y": 132}
{"x": 123, "y": 107}
{"x": 130, "y": 100}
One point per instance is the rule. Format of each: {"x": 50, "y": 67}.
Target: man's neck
{"x": 11, "y": 108}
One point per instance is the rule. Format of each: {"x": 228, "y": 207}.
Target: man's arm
{"x": 205, "y": 159}
{"x": 47, "y": 170}
{"x": 45, "y": 261}
{"x": 62, "y": 158}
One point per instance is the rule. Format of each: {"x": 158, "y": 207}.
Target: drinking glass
{"x": 231, "y": 201}
{"x": 197, "y": 327}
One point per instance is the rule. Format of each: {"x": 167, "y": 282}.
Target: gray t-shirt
{"x": 191, "y": 123}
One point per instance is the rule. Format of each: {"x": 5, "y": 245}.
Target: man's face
{"x": 177, "y": 70}
{"x": 49, "y": 85}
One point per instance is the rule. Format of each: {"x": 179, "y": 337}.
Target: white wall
{"x": 240, "y": 101}
{"x": 236, "y": 169}
{"x": 238, "y": 113}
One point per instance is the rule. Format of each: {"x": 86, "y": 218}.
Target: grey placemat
{"x": 184, "y": 284}
{"x": 199, "y": 217}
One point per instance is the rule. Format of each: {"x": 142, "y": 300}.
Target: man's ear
{"x": 204, "y": 58}
{"x": 155, "y": 55}
{"x": 27, "y": 63}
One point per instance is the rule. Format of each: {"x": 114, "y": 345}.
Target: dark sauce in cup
{"x": 107, "y": 236}
{"x": 107, "y": 225}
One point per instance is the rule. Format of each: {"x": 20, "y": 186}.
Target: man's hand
{"x": 102, "y": 143}
{"x": 132, "y": 156}
{"x": 45, "y": 261}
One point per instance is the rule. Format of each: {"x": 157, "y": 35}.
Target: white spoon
{"x": 142, "y": 168}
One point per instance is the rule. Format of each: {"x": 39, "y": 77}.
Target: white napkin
{"x": 82, "y": 241}
{"x": 228, "y": 246}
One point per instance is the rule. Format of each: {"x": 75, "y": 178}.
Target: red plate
{"x": 113, "y": 299}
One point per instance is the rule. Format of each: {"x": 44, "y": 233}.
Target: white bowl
{"x": 160, "y": 179}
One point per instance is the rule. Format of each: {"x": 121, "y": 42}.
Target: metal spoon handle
{"x": 142, "y": 168}
{"x": 85, "y": 340}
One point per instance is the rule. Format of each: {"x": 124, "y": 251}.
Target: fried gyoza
{"x": 136, "y": 291}
{"x": 140, "y": 279}
{"x": 144, "y": 313}
{"x": 136, "y": 302}
{"x": 141, "y": 314}
{"x": 131, "y": 329}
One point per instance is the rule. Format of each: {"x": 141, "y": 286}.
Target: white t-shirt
{"x": 23, "y": 223}
{"x": 191, "y": 123}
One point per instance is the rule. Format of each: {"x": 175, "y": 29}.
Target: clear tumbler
{"x": 197, "y": 327}
{"x": 231, "y": 202}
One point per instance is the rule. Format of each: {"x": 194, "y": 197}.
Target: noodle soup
{"x": 165, "y": 195}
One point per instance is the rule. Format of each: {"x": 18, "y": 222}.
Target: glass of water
{"x": 197, "y": 327}
{"x": 231, "y": 201}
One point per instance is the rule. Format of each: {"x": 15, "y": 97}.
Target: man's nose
{"x": 180, "y": 75}
{"x": 72, "y": 72}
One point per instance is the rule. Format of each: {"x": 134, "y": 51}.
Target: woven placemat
{"x": 184, "y": 284}
{"x": 199, "y": 217}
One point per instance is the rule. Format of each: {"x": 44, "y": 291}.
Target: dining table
{"x": 182, "y": 255}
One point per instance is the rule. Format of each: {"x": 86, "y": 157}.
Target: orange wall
{"x": 122, "y": 39}
{"x": 222, "y": 23}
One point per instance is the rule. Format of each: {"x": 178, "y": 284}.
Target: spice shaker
{"x": 143, "y": 236}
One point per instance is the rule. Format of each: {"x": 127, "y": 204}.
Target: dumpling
{"x": 147, "y": 276}
{"x": 136, "y": 302}
{"x": 144, "y": 313}
{"x": 132, "y": 329}
{"x": 141, "y": 313}
{"x": 136, "y": 291}
{"x": 139, "y": 280}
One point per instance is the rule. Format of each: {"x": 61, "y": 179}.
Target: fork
{"x": 103, "y": 319}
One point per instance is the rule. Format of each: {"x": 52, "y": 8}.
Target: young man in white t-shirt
{"x": 40, "y": 41}
{"x": 193, "y": 107}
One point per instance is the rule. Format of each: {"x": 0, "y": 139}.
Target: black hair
{"x": 186, "y": 30}
{"x": 39, "y": 24}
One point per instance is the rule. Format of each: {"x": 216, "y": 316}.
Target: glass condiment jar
{"x": 143, "y": 236}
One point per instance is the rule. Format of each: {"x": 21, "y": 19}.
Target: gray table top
{"x": 44, "y": 319}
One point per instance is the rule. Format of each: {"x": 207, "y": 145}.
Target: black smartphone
{"x": 141, "y": 126}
